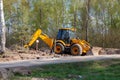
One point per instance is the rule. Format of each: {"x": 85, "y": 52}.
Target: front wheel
{"x": 76, "y": 49}
{"x": 59, "y": 48}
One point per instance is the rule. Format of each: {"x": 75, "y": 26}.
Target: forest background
{"x": 97, "y": 21}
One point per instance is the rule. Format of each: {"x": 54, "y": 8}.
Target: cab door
{"x": 64, "y": 35}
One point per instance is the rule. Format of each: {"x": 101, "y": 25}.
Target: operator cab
{"x": 65, "y": 34}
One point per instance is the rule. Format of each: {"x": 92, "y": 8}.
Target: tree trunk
{"x": 75, "y": 19}
{"x": 2, "y": 26}
{"x": 87, "y": 17}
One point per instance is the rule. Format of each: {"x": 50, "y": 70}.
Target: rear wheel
{"x": 59, "y": 48}
{"x": 76, "y": 49}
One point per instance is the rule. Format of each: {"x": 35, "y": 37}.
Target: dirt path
{"x": 37, "y": 62}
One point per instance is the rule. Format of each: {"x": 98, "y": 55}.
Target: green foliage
{"x": 102, "y": 20}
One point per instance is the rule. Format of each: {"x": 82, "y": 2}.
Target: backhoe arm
{"x": 44, "y": 37}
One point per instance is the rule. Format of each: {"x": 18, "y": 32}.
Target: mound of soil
{"x": 24, "y": 54}
{"x": 109, "y": 51}
{"x": 104, "y": 51}
{"x": 11, "y": 55}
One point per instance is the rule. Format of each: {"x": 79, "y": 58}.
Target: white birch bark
{"x": 2, "y": 27}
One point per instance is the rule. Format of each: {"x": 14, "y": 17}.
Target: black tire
{"x": 59, "y": 48}
{"x": 76, "y": 49}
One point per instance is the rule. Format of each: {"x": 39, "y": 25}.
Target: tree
{"x": 2, "y": 25}
{"x": 87, "y": 17}
{"x": 95, "y": 20}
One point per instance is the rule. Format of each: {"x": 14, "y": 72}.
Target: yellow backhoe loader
{"x": 65, "y": 41}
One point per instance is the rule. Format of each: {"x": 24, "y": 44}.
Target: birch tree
{"x": 2, "y": 26}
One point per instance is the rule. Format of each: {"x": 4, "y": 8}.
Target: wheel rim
{"x": 75, "y": 50}
{"x": 58, "y": 49}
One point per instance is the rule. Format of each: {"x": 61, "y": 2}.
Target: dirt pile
{"x": 5, "y": 74}
{"x": 104, "y": 51}
{"x": 11, "y": 55}
{"x": 22, "y": 55}
{"x": 95, "y": 50}
{"x": 108, "y": 51}
{"x": 8, "y": 73}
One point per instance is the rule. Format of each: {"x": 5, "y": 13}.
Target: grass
{"x": 92, "y": 70}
